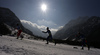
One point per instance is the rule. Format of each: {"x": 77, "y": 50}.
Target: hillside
{"x": 69, "y": 27}
{"x": 4, "y": 29}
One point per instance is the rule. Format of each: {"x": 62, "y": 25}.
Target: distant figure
{"x": 50, "y": 35}
{"x": 19, "y": 30}
{"x": 83, "y": 41}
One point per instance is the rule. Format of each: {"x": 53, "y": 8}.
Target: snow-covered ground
{"x": 12, "y": 46}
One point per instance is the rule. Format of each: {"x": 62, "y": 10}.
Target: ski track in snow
{"x": 12, "y": 46}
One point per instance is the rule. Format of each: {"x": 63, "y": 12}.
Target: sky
{"x": 57, "y": 14}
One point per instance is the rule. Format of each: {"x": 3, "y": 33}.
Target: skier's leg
{"x": 18, "y": 35}
{"x": 83, "y": 43}
{"x": 19, "y": 32}
{"x": 47, "y": 40}
{"x": 88, "y": 46}
{"x": 53, "y": 40}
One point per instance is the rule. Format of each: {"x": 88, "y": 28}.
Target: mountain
{"x": 88, "y": 26}
{"x": 9, "y": 18}
{"x": 68, "y": 29}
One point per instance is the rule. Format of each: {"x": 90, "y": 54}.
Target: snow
{"x": 12, "y": 46}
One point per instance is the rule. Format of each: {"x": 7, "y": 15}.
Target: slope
{"x": 12, "y": 46}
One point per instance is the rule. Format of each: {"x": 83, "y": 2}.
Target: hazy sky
{"x": 58, "y": 12}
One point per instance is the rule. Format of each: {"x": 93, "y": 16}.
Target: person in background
{"x": 19, "y": 30}
{"x": 83, "y": 41}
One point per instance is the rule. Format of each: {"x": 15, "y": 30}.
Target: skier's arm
{"x": 44, "y": 32}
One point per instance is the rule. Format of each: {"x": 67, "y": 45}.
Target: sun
{"x": 43, "y": 7}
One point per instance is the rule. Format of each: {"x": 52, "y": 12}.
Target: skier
{"x": 83, "y": 41}
{"x": 50, "y": 36}
{"x": 19, "y": 30}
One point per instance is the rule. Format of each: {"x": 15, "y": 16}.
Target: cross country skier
{"x": 50, "y": 35}
{"x": 19, "y": 30}
{"x": 83, "y": 41}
